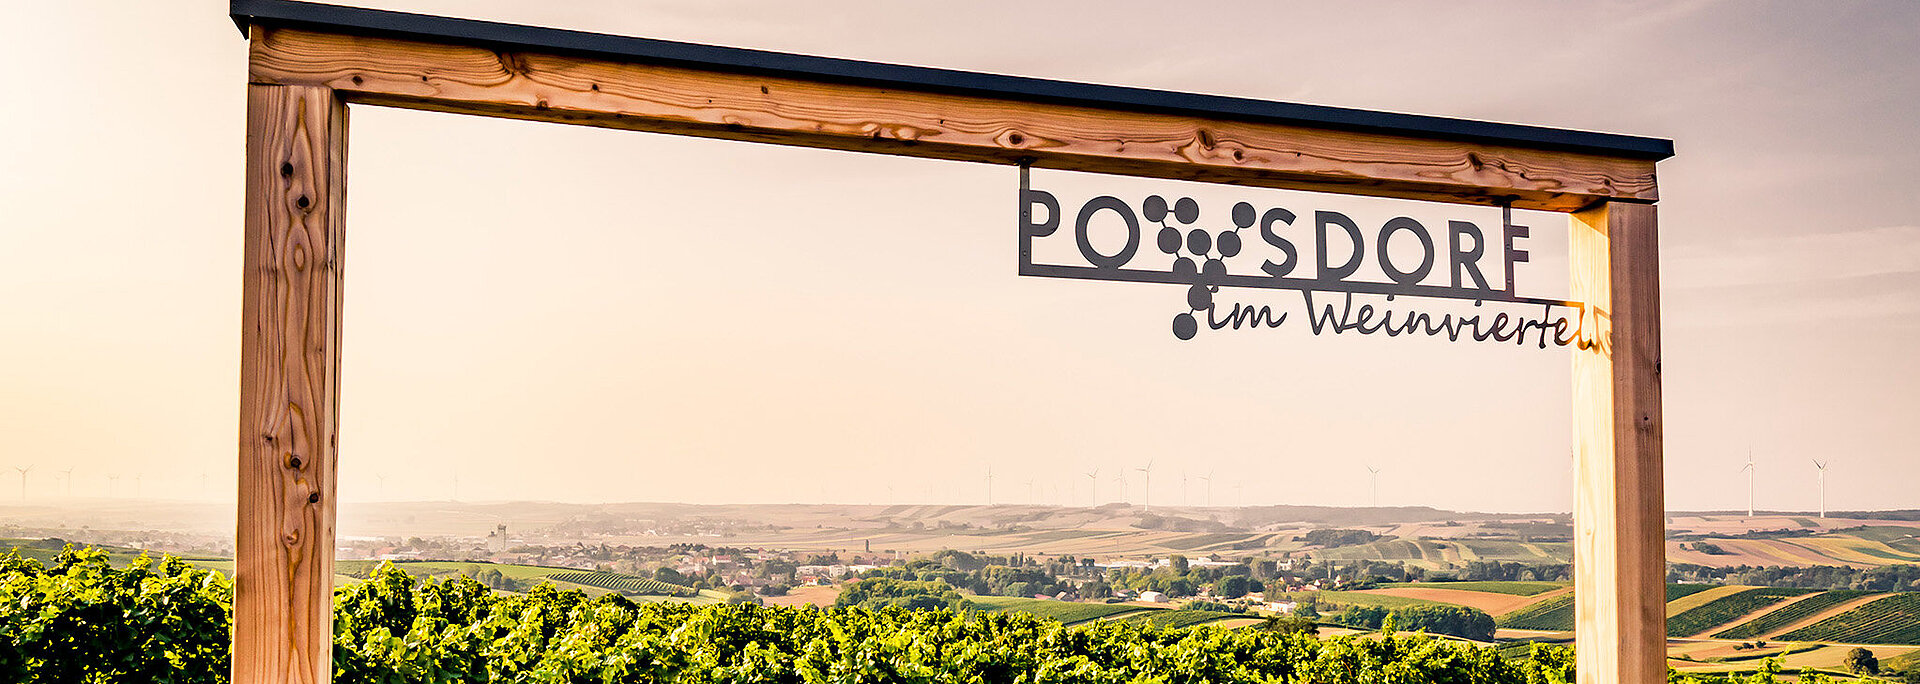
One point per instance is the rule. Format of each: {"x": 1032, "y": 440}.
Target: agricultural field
{"x": 625, "y": 584}
{"x": 1175, "y": 617}
{"x": 1065, "y": 611}
{"x": 1716, "y": 614}
{"x": 1511, "y": 588}
{"x": 1695, "y": 599}
{"x": 1788, "y": 614}
{"x": 1553, "y": 615}
{"x": 1894, "y": 619}
{"x": 592, "y": 582}
{"x": 1491, "y": 603}
{"x": 1370, "y": 598}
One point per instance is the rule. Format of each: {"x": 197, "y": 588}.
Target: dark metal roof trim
{"x": 515, "y": 37}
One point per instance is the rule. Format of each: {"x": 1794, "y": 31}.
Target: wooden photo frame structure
{"x": 308, "y": 62}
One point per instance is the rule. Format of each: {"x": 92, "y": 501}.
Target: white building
{"x": 1153, "y": 597}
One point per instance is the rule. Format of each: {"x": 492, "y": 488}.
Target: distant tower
{"x": 1373, "y": 484}
{"x": 1093, "y": 487}
{"x": 1822, "y": 466}
{"x": 1146, "y": 485}
{"x": 1749, "y": 469}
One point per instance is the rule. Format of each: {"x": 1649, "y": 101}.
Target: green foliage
{"x": 1861, "y": 661}
{"x": 880, "y": 592}
{"x": 81, "y": 620}
{"x": 1332, "y": 538}
{"x": 1064, "y": 611}
{"x": 1891, "y": 620}
{"x": 1292, "y": 624}
{"x": 1233, "y": 586}
{"x": 1459, "y": 621}
{"x": 1725, "y": 609}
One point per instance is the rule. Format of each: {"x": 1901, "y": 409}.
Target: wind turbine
{"x": 989, "y": 484}
{"x": 1239, "y": 498}
{"x": 1822, "y": 466}
{"x": 1093, "y": 487}
{"x": 382, "y": 477}
{"x": 1373, "y": 475}
{"x": 113, "y": 485}
{"x": 1030, "y": 498}
{"x": 1120, "y": 480}
{"x": 1208, "y": 478}
{"x": 1146, "y": 484}
{"x": 69, "y": 473}
{"x": 23, "y": 480}
{"x": 1749, "y": 470}
{"x": 1183, "y": 488}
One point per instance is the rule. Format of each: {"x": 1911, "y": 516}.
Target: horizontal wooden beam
{"x": 471, "y": 79}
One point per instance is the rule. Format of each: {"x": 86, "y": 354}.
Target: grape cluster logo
{"x": 1453, "y": 263}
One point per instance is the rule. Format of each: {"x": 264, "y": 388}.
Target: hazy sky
{"x": 579, "y": 314}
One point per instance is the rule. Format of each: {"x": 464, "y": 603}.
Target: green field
{"x": 1509, "y": 588}
{"x": 1555, "y": 614}
{"x": 1675, "y": 591}
{"x": 1726, "y": 609}
{"x": 1786, "y": 615}
{"x": 1357, "y": 598}
{"x": 1177, "y": 617}
{"x": 1065, "y": 611}
{"x": 625, "y": 584}
{"x": 1891, "y": 620}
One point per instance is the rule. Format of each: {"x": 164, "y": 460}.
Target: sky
{"x": 537, "y": 311}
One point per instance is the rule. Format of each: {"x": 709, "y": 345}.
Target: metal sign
{"x": 1457, "y": 255}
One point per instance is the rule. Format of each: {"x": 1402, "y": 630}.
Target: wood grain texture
{"x": 289, "y": 385}
{"x": 667, "y": 99}
{"x": 1619, "y": 496}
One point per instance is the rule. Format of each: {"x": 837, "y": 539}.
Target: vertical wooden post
{"x": 289, "y": 385}
{"x": 1619, "y": 499}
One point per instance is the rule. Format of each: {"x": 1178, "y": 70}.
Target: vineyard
{"x": 1065, "y": 611}
{"x": 1676, "y": 591}
{"x": 1554, "y": 614}
{"x": 1726, "y": 609}
{"x": 1887, "y": 621}
{"x": 1169, "y": 619}
{"x": 79, "y": 619}
{"x": 1789, "y": 614}
{"x": 625, "y": 584}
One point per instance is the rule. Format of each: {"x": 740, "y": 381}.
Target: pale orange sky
{"x": 589, "y": 315}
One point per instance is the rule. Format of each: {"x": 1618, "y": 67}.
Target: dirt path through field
{"x": 1755, "y": 615}
{"x": 1822, "y": 615}
{"x": 1492, "y": 603}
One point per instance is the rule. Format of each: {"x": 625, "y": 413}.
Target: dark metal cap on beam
{"x": 515, "y": 37}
